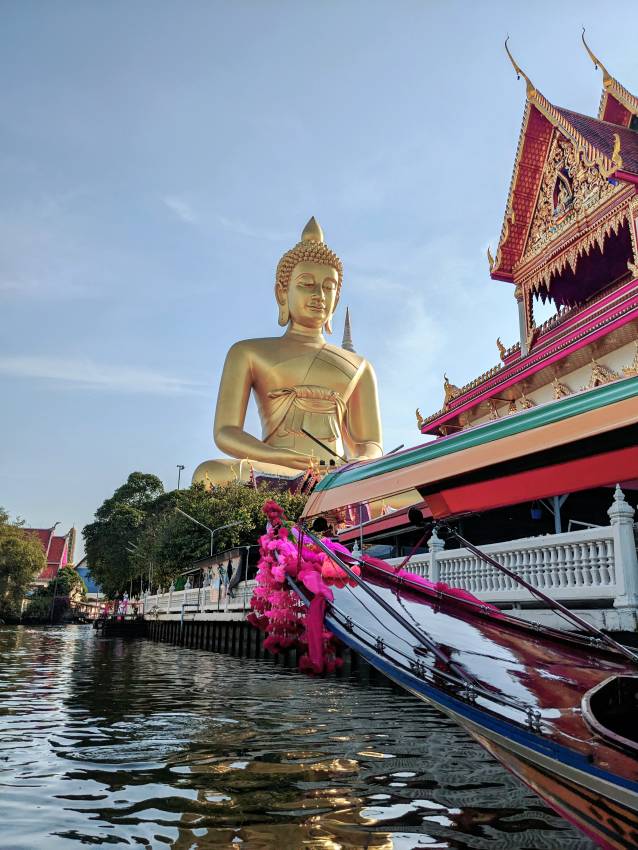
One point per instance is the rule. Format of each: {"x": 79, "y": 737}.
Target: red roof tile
{"x": 600, "y": 134}
{"x": 57, "y": 551}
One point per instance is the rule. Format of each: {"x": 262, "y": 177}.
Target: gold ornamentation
{"x": 600, "y": 375}
{"x": 560, "y": 390}
{"x": 531, "y": 90}
{"x": 570, "y": 187}
{"x": 571, "y": 256}
{"x": 512, "y": 407}
{"x": 451, "y": 391}
{"x": 525, "y": 403}
{"x": 501, "y": 348}
{"x": 518, "y": 292}
{"x": 490, "y": 258}
{"x": 419, "y": 419}
{"x": 631, "y": 371}
{"x": 607, "y": 78}
{"x": 531, "y": 333}
{"x": 616, "y": 158}
{"x": 633, "y": 268}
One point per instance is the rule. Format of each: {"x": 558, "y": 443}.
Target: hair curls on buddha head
{"x": 311, "y": 249}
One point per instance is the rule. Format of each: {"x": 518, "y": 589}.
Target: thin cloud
{"x": 181, "y": 208}
{"x": 86, "y": 374}
{"x": 210, "y": 220}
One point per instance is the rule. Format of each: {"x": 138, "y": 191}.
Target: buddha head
{"x": 308, "y": 281}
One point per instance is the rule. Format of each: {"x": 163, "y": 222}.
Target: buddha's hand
{"x": 295, "y": 460}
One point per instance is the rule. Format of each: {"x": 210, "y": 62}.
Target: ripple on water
{"x": 144, "y": 744}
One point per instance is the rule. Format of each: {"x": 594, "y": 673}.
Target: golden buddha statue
{"x": 305, "y": 387}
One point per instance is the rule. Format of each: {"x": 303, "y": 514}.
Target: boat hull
{"x": 592, "y": 800}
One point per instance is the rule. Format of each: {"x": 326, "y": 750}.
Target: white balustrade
{"x": 578, "y": 566}
{"x": 589, "y": 566}
{"x": 586, "y": 566}
{"x": 200, "y": 600}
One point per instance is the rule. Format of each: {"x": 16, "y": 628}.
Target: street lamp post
{"x": 55, "y": 586}
{"x": 211, "y": 531}
{"x": 212, "y": 540}
{"x": 180, "y": 466}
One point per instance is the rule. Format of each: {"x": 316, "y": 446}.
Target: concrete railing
{"x": 595, "y": 564}
{"x": 202, "y": 600}
{"x": 595, "y": 569}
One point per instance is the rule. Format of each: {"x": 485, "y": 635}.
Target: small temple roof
{"x": 55, "y": 548}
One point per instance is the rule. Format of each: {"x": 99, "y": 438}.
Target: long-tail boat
{"x": 558, "y": 709}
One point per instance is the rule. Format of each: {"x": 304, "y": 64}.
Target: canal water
{"x": 108, "y": 742}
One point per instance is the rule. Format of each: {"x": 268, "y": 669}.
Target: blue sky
{"x": 157, "y": 158}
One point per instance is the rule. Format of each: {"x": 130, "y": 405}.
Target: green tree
{"x": 67, "y": 582}
{"x": 164, "y": 541}
{"x": 118, "y": 522}
{"x": 21, "y": 559}
{"x": 169, "y": 543}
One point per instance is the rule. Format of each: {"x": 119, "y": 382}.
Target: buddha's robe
{"x": 318, "y": 404}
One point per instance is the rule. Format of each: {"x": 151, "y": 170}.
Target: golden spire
{"x": 346, "y": 342}
{"x": 312, "y": 232}
{"x": 451, "y": 391}
{"x": 607, "y": 78}
{"x": 531, "y": 89}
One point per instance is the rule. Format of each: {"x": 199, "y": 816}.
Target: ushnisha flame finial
{"x": 531, "y": 88}
{"x": 312, "y": 232}
{"x": 607, "y": 78}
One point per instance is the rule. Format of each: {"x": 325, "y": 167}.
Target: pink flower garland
{"x": 277, "y": 610}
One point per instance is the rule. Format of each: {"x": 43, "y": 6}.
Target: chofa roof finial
{"x": 531, "y": 88}
{"x": 607, "y": 78}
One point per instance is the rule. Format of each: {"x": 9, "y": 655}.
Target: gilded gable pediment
{"x": 571, "y": 187}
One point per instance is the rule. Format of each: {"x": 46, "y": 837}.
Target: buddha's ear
{"x": 281, "y": 294}
{"x": 328, "y": 323}
{"x": 282, "y": 300}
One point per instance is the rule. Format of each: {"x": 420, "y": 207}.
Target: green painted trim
{"x": 526, "y": 420}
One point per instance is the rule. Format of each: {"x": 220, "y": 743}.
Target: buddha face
{"x": 312, "y": 294}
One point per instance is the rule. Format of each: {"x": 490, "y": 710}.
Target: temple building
{"x": 59, "y": 551}
{"x": 570, "y": 237}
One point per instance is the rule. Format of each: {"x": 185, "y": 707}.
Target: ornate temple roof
{"x": 612, "y": 145}
{"x": 569, "y": 234}
{"x": 56, "y": 550}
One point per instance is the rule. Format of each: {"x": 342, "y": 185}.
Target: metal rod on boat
{"x": 416, "y": 633}
{"x": 323, "y": 445}
{"x": 553, "y": 603}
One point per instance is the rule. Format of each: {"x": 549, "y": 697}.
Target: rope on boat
{"x": 423, "y": 638}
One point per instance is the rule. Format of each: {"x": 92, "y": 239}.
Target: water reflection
{"x": 142, "y": 744}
